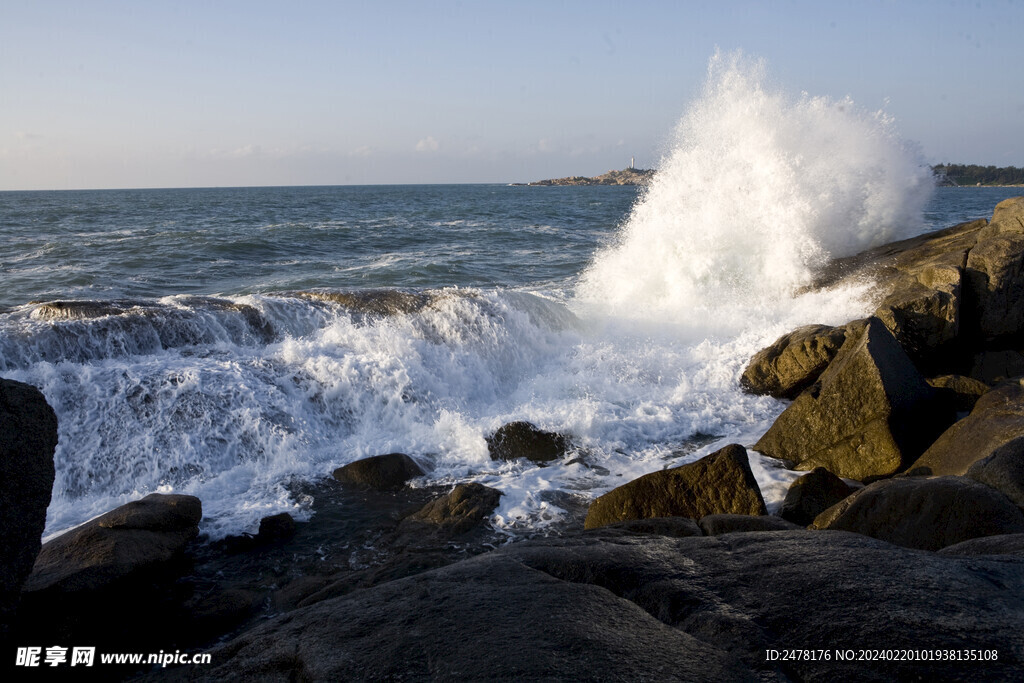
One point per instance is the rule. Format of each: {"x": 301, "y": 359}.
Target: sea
{"x": 230, "y": 342}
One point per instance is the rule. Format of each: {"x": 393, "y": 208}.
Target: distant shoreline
{"x": 627, "y": 176}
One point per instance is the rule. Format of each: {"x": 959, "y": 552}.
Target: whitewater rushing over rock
{"x": 277, "y": 372}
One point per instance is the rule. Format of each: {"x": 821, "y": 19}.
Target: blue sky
{"x": 98, "y": 94}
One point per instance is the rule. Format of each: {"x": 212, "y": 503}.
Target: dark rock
{"x": 959, "y": 393}
{"x": 1003, "y": 544}
{"x": 133, "y": 539}
{"x": 812, "y": 494}
{"x": 28, "y": 438}
{"x": 997, "y": 419}
{"x": 276, "y": 528}
{"x": 455, "y": 513}
{"x": 992, "y": 367}
{"x": 718, "y": 483}
{"x": 1003, "y": 470}
{"x": 221, "y": 611}
{"x": 793, "y": 362}
{"x": 924, "y": 513}
{"x": 524, "y": 440}
{"x": 90, "y": 583}
{"x": 634, "y": 607}
{"x": 716, "y": 525}
{"x": 380, "y": 472}
{"x": 676, "y": 527}
{"x": 869, "y": 415}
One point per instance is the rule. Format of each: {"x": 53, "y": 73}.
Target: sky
{"x": 97, "y": 94}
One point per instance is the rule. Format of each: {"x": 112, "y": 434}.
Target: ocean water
{"x": 228, "y": 342}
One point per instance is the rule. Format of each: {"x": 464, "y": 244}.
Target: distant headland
{"x": 627, "y": 176}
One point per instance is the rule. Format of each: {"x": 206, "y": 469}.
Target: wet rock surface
{"x": 718, "y": 483}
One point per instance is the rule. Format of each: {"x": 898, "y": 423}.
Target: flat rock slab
{"x": 605, "y": 605}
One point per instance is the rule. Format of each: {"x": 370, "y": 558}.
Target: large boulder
{"x": 387, "y": 472}
{"x": 28, "y": 438}
{"x": 869, "y": 415}
{"x": 126, "y": 543}
{"x": 995, "y": 269}
{"x": 793, "y": 362}
{"x": 612, "y": 606}
{"x": 88, "y": 584}
{"x": 812, "y": 494}
{"x": 924, "y": 513}
{"x": 525, "y": 440}
{"x": 997, "y": 419}
{"x": 718, "y": 483}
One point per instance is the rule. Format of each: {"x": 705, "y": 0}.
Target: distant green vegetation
{"x": 960, "y": 174}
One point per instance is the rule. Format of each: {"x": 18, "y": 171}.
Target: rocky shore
{"x": 627, "y": 176}
{"x": 899, "y": 555}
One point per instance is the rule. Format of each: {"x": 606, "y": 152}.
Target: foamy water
{"x": 632, "y": 349}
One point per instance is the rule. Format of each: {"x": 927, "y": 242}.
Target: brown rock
{"x": 793, "y": 362}
{"x": 995, "y": 270}
{"x": 868, "y": 415}
{"x": 812, "y": 494}
{"x": 924, "y": 513}
{"x": 466, "y": 507}
{"x": 997, "y": 419}
{"x": 718, "y": 483}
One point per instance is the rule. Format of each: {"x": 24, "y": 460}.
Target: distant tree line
{"x": 972, "y": 174}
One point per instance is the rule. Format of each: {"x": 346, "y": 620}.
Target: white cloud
{"x": 362, "y": 151}
{"x": 428, "y": 144}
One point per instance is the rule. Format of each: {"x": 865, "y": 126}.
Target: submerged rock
{"x": 28, "y": 438}
{"x": 718, "y": 483}
{"x": 388, "y": 472}
{"x": 812, "y": 494}
{"x": 924, "y": 513}
{"x": 525, "y": 440}
{"x": 793, "y": 362}
{"x": 869, "y": 415}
